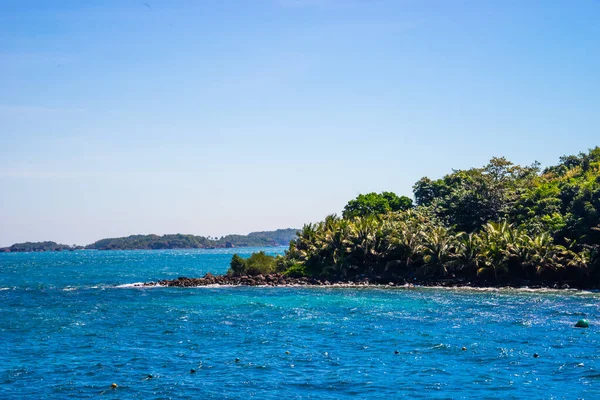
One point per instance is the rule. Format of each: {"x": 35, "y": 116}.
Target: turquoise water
{"x": 69, "y": 328}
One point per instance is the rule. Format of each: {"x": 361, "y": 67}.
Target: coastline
{"x": 279, "y": 280}
{"x": 7, "y": 250}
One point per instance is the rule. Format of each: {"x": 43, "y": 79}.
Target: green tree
{"x": 256, "y": 264}
{"x": 376, "y": 204}
{"x": 437, "y": 248}
{"x": 237, "y": 266}
{"x": 260, "y": 263}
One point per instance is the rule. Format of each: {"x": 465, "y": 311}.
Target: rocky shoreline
{"x": 281, "y": 280}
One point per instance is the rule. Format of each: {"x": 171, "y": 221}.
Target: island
{"x": 498, "y": 225}
{"x": 279, "y": 237}
{"x": 38, "y": 247}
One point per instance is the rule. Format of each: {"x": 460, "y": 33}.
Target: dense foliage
{"x": 257, "y": 264}
{"x": 501, "y": 222}
{"x": 376, "y": 204}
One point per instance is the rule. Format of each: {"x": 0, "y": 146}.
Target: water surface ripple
{"x": 68, "y": 331}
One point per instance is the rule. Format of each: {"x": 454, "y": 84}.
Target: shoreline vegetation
{"x": 498, "y": 225}
{"x": 279, "y": 237}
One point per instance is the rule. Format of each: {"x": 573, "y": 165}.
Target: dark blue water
{"x": 68, "y": 331}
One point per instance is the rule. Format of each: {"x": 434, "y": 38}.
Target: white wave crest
{"x": 137, "y": 285}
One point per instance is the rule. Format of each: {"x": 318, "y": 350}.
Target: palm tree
{"x": 406, "y": 242}
{"x": 543, "y": 255}
{"x": 305, "y": 246}
{"x": 362, "y": 238}
{"x": 494, "y": 254}
{"x": 437, "y": 246}
{"x": 337, "y": 244}
{"x": 466, "y": 255}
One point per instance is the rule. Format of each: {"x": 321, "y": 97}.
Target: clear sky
{"x": 215, "y": 117}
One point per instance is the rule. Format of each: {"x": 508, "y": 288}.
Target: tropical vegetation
{"x": 257, "y": 264}
{"x": 501, "y": 222}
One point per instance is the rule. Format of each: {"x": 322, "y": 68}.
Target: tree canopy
{"x": 376, "y": 204}
{"x": 257, "y": 264}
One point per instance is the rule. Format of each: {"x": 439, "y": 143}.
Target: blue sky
{"x": 216, "y": 117}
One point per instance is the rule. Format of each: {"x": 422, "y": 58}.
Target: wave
{"x": 137, "y": 285}
{"x": 524, "y": 289}
{"x": 407, "y": 286}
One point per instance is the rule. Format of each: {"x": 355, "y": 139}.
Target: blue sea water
{"x": 70, "y": 326}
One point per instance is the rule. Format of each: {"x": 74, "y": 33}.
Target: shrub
{"x": 257, "y": 264}
{"x": 237, "y": 266}
{"x": 260, "y": 263}
{"x": 296, "y": 271}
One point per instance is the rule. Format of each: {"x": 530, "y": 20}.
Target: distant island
{"x": 38, "y": 246}
{"x": 279, "y": 237}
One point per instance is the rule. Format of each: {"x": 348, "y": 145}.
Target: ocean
{"x": 72, "y": 323}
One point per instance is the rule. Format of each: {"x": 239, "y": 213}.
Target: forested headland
{"x": 501, "y": 223}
